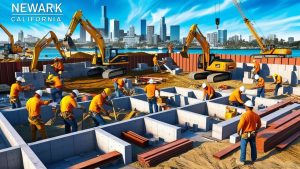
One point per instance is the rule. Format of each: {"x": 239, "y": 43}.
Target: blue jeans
{"x": 17, "y": 104}
{"x": 117, "y": 90}
{"x": 155, "y": 67}
{"x": 153, "y": 102}
{"x": 261, "y": 92}
{"x": 244, "y": 143}
{"x": 276, "y": 89}
{"x": 98, "y": 120}
{"x": 68, "y": 124}
{"x": 55, "y": 91}
{"x": 235, "y": 104}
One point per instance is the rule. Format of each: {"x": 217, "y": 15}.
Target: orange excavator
{"x": 10, "y": 48}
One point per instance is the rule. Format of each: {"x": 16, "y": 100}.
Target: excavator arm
{"x": 11, "y": 37}
{"x": 43, "y": 43}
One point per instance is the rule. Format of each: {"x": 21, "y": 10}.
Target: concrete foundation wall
{"x": 203, "y": 122}
{"x": 226, "y": 128}
{"x": 30, "y": 160}
{"x": 169, "y": 116}
{"x": 11, "y": 158}
{"x": 200, "y": 108}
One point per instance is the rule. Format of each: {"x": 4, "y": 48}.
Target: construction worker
{"x": 56, "y": 87}
{"x": 96, "y": 107}
{"x": 248, "y": 125}
{"x": 58, "y": 66}
{"x": 278, "y": 82}
{"x": 235, "y": 98}
{"x": 150, "y": 90}
{"x": 256, "y": 68}
{"x": 67, "y": 104}
{"x": 15, "y": 90}
{"x": 208, "y": 92}
{"x": 33, "y": 107}
{"x": 260, "y": 86}
{"x": 119, "y": 86}
{"x": 155, "y": 63}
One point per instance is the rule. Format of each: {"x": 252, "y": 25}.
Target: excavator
{"x": 108, "y": 57}
{"x": 43, "y": 43}
{"x": 269, "y": 51}
{"x": 10, "y": 48}
{"x": 214, "y": 68}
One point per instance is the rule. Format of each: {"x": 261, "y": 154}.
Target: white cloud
{"x": 156, "y": 16}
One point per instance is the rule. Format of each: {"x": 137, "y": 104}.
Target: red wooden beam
{"x": 135, "y": 138}
{"x": 221, "y": 154}
{"x": 284, "y": 119}
{"x": 288, "y": 141}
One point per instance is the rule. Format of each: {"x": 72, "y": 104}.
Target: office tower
{"x": 82, "y": 34}
{"x": 175, "y": 33}
{"x": 21, "y": 36}
{"x": 222, "y": 36}
{"x": 131, "y": 31}
{"x": 143, "y": 29}
{"x": 150, "y": 33}
{"x": 114, "y": 29}
{"x": 291, "y": 40}
{"x": 104, "y": 21}
{"x": 163, "y": 29}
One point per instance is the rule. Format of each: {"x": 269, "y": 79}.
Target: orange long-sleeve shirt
{"x": 155, "y": 61}
{"x": 15, "y": 89}
{"x": 33, "y": 106}
{"x": 96, "y": 103}
{"x": 57, "y": 82}
{"x": 209, "y": 91}
{"x": 249, "y": 121}
{"x": 256, "y": 67}
{"x": 260, "y": 82}
{"x": 150, "y": 90}
{"x": 235, "y": 96}
{"x": 278, "y": 79}
{"x": 58, "y": 66}
{"x": 67, "y": 104}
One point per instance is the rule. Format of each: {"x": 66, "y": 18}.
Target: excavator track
{"x": 218, "y": 77}
{"x": 111, "y": 73}
{"x": 199, "y": 75}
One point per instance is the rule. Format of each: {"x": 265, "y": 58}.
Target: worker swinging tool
{"x": 58, "y": 66}
{"x": 235, "y": 98}
{"x": 56, "y": 87}
{"x": 208, "y": 92}
{"x": 156, "y": 65}
{"x": 119, "y": 86}
{"x": 15, "y": 90}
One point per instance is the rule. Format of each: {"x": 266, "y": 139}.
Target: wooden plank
{"x": 230, "y": 149}
{"x": 284, "y": 120}
{"x": 288, "y": 141}
{"x": 275, "y": 107}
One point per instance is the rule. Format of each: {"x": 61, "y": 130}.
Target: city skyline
{"x": 282, "y": 19}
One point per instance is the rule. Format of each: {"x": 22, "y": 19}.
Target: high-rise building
{"x": 121, "y": 34}
{"x": 291, "y": 39}
{"x": 150, "y": 33}
{"x": 163, "y": 29}
{"x": 82, "y": 34}
{"x": 131, "y": 31}
{"x": 104, "y": 21}
{"x": 251, "y": 38}
{"x": 21, "y": 36}
{"x": 175, "y": 33}
{"x": 183, "y": 40}
{"x": 235, "y": 38}
{"x": 212, "y": 39}
{"x": 272, "y": 37}
{"x": 143, "y": 29}
{"x": 114, "y": 29}
{"x": 155, "y": 39}
{"x": 222, "y": 36}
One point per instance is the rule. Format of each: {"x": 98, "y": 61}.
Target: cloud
{"x": 156, "y": 16}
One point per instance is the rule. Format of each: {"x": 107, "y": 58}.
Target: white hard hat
{"x": 151, "y": 81}
{"x": 20, "y": 79}
{"x": 256, "y": 77}
{"x": 249, "y": 103}
{"x": 204, "y": 85}
{"x": 39, "y": 92}
{"x": 75, "y": 91}
{"x": 124, "y": 79}
{"x": 242, "y": 89}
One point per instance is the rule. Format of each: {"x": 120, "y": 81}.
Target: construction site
{"x": 156, "y": 109}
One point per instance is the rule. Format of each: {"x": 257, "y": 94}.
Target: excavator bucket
{"x": 184, "y": 53}
{"x": 69, "y": 43}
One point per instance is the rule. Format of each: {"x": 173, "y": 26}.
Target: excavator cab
{"x": 110, "y": 53}
{"x": 7, "y": 49}
{"x": 202, "y": 61}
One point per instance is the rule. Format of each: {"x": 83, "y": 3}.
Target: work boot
{"x": 238, "y": 162}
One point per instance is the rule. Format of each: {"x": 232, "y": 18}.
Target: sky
{"x": 280, "y": 17}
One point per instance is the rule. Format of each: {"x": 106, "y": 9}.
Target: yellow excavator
{"x": 214, "y": 68}
{"x": 269, "y": 51}
{"x": 108, "y": 57}
{"x": 10, "y": 48}
{"x": 43, "y": 43}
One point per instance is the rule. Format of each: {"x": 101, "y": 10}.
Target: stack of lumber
{"x": 135, "y": 138}
{"x": 164, "y": 152}
{"x": 98, "y": 161}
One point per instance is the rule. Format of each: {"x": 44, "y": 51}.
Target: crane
{"x": 277, "y": 52}
{"x": 43, "y": 43}
{"x": 10, "y": 48}
{"x": 214, "y": 68}
{"x": 108, "y": 56}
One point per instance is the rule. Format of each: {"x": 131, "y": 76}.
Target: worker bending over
{"x": 235, "y": 98}
{"x": 96, "y": 107}
{"x": 260, "y": 86}
{"x": 15, "y": 90}
{"x": 256, "y": 68}
{"x": 248, "y": 125}
{"x": 33, "y": 107}
{"x": 56, "y": 87}
{"x": 58, "y": 66}
{"x": 67, "y": 104}
{"x": 155, "y": 63}
{"x": 208, "y": 92}
{"x": 152, "y": 100}
{"x": 278, "y": 82}
{"x": 119, "y": 86}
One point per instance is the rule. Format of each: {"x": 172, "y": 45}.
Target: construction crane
{"x": 214, "y": 68}
{"x": 108, "y": 56}
{"x": 10, "y": 48}
{"x": 43, "y": 43}
{"x": 265, "y": 51}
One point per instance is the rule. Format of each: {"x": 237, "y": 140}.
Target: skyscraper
{"x": 212, "y": 38}
{"x": 222, "y": 36}
{"x": 114, "y": 29}
{"x": 131, "y": 31}
{"x": 82, "y": 34}
{"x": 104, "y": 21}
{"x": 143, "y": 29}
{"x": 21, "y": 36}
{"x": 291, "y": 39}
{"x": 175, "y": 33}
{"x": 163, "y": 29}
{"x": 150, "y": 33}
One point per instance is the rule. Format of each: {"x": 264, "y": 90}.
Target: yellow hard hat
{"x": 107, "y": 91}
{"x": 274, "y": 75}
{"x": 50, "y": 76}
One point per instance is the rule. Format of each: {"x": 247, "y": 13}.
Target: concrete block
{"x": 11, "y": 158}
{"x": 234, "y": 138}
{"x": 162, "y": 130}
{"x": 84, "y": 141}
{"x": 247, "y": 75}
{"x": 201, "y": 121}
{"x": 168, "y": 116}
{"x": 108, "y": 143}
{"x": 43, "y": 150}
{"x": 200, "y": 108}
{"x": 140, "y": 105}
{"x": 122, "y": 103}
{"x": 30, "y": 160}
{"x": 61, "y": 148}
{"x": 226, "y": 128}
